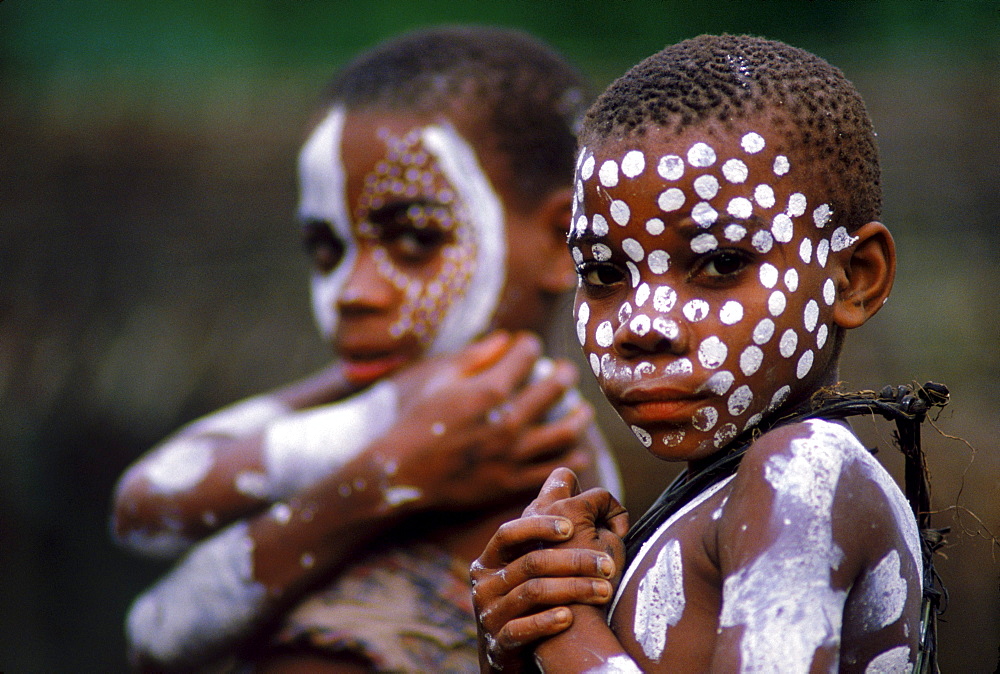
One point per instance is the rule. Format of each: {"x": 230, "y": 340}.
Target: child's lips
{"x": 658, "y": 405}
{"x": 362, "y": 370}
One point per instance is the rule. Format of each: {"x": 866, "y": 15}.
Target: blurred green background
{"x": 150, "y": 269}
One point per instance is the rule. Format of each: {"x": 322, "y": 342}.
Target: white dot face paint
{"x": 633, "y": 249}
{"x": 768, "y": 275}
{"x": 671, "y": 200}
{"x": 600, "y": 225}
{"x": 841, "y": 240}
{"x": 605, "y": 334}
{"x": 706, "y": 186}
{"x": 582, "y": 317}
{"x": 734, "y": 233}
{"x": 739, "y": 197}
{"x": 792, "y": 280}
{"x": 608, "y": 173}
{"x": 664, "y": 298}
{"x": 704, "y": 243}
{"x": 705, "y": 418}
{"x": 752, "y": 143}
{"x": 751, "y": 359}
{"x": 763, "y": 194}
{"x": 811, "y": 315}
{"x": 829, "y": 292}
{"x": 796, "y": 205}
{"x": 821, "y": 335}
{"x": 701, "y": 155}
{"x": 788, "y": 343}
{"x": 670, "y": 167}
{"x": 643, "y": 436}
{"x": 660, "y": 602}
{"x": 776, "y": 303}
{"x": 587, "y": 168}
{"x": 731, "y": 312}
{"x": 696, "y": 310}
{"x": 633, "y": 164}
{"x": 712, "y": 352}
{"x": 740, "y": 207}
{"x": 735, "y": 171}
{"x": 782, "y": 229}
{"x": 620, "y": 212}
{"x": 658, "y": 261}
{"x": 641, "y": 294}
{"x": 600, "y": 252}
{"x": 704, "y": 214}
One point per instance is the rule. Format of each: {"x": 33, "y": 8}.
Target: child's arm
{"x": 818, "y": 555}
{"x": 447, "y": 452}
{"x": 210, "y": 472}
{"x": 550, "y": 573}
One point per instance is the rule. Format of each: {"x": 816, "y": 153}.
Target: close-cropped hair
{"x": 527, "y": 98}
{"x": 727, "y": 78}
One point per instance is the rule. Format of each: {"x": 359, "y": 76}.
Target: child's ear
{"x": 864, "y": 276}
{"x": 554, "y": 214}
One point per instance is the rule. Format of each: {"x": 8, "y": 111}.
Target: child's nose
{"x": 367, "y": 289}
{"x": 644, "y": 334}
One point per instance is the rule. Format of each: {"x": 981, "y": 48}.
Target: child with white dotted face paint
{"x": 338, "y": 508}
{"x": 725, "y": 236}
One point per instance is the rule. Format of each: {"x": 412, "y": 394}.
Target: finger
{"x": 534, "y": 594}
{"x": 547, "y": 441}
{"x": 606, "y": 509}
{"x": 560, "y": 484}
{"x": 514, "y": 364}
{"x": 511, "y": 539}
{"x": 559, "y": 562}
{"x": 523, "y": 631}
{"x": 484, "y": 353}
{"x": 547, "y": 395}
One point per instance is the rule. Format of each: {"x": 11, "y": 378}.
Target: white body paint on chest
{"x": 651, "y": 542}
{"x": 894, "y": 661}
{"x": 660, "y": 602}
{"x": 207, "y": 598}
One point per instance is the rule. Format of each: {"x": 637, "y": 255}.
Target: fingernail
{"x": 563, "y": 528}
{"x": 602, "y": 589}
{"x": 605, "y": 566}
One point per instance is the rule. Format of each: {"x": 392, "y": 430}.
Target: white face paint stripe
{"x": 471, "y": 313}
{"x": 322, "y": 197}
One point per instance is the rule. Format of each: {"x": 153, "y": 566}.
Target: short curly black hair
{"x": 529, "y": 98}
{"x": 727, "y": 78}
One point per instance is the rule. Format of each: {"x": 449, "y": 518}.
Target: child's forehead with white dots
{"x": 715, "y": 179}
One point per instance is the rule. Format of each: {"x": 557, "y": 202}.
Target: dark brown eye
{"x": 600, "y": 275}
{"x": 324, "y": 247}
{"x": 724, "y": 263}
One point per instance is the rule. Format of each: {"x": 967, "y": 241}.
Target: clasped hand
{"x": 565, "y": 549}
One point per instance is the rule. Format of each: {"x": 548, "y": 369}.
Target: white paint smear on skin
{"x": 660, "y": 601}
{"x": 241, "y": 418}
{"x": 785, "y": 623}
{"x": 208, "y": 598}
{"x": 883, "y": 594}
{"x": 652, "y": 540}
{"x": 302, "y": 448}
{"x": 894, "y": 661}
{"x": 616, "y": 664}
{"x": 179, "y": 465}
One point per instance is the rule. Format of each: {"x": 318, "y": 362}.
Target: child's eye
{"x": 414, "y": 246}
{"x": 412, "y": 233}
{"x": 324, "y": 247}
{"x": 600, "y": 275}
{"x": 723, "y": 263}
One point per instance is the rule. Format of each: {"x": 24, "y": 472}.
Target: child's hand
{"x": 472, "y": 432}
{"x": 565, "y": 549}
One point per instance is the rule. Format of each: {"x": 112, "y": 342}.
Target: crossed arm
{"x": 443, "y": 451}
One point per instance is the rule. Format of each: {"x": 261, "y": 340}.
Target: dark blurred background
{"x": 150, "y": 268}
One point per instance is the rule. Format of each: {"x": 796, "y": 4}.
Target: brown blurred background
{"x": 150, "y": 269}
